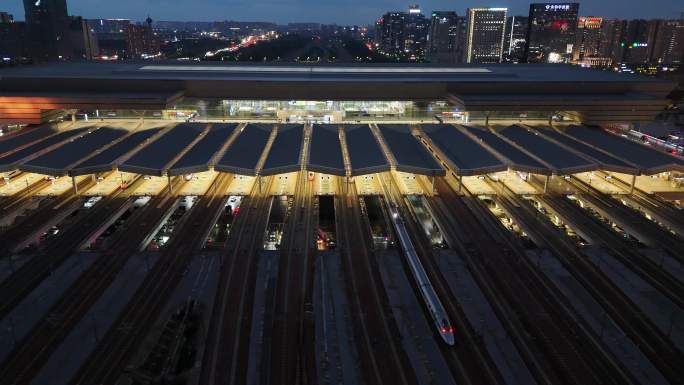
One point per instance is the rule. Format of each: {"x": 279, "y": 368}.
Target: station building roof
{"x": 603, "y": 159}
{"x": 409, "y": 154}
{"x": 24, "y": 138}
{"x": 649, "y": 160}
{"x": 325, "y": 150}
{"x": 110, "y": 157}
{"x": 57, "y": 161}
{"x": 155, "y": 158}
{"x": 597, "y": 96}
{"x": 560, "y": 160}
{"x": 365, "y": 154}
{"x": 379, "y": 72}
{"x": 199, "y": 157}
{"x": 514, "y": 157}
{"x": 286, "y": 151}
{"x": 13, "y": 160}
{"x": 464, "y": 153}
{"x": 243, "y": 155}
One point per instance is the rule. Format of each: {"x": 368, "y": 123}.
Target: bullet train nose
{"x": 448, "y": 338}
{"x": 447, "y": 335}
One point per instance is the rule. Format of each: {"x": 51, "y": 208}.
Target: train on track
{"x": 434, "y": 305}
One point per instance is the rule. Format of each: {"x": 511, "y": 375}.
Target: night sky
{"x": 327, "y": 11}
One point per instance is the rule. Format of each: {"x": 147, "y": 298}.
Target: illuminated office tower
{"x": 485, "y": 35}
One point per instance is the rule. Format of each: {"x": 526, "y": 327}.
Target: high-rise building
{"x": 551, "y": 32}
{"x": 514, "y": 39}
{"x": 611, "y": 39}
{"x": 485, "y": 35}
{"x": 638, "y": 40}
{"x": 403, "y": 34}
{"x": 82, "y": 41}
{"x": 462, "y": 45}
{"x": 111, "y": 36}
{"x": 141, "y": 40}
{"x": 12, "y": 38}
{"x": 668, "y": 46}
{"x": 389, "y": 33}
{"x": 53, "y": 34}
{"x": 587, "y": 38}
{"x": 415, "y": 33}
{"x": 443, "y": 38}
{"x": 47, "y": 22}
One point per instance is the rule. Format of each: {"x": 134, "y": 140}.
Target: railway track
{"x": 382, "y": 358}
{"x": 652, "y": 342}
{"x": 469, "y": 361}
{"x": 624, "y": 216}
{"x": 544, "y": 328}
{"x": 22, "y": 281}
{"x": 659, "y": 209}
{"x": 666, "y": 283}
{"x": 114, "y": 351}
{"x": 38, "y": 345}
{"x": 292, "y": 360}
{"x": 651, "y": 202}
{"x": 22, "y": 197}
{"x": 27, "y": 226}
{"x": 226, "y": 353}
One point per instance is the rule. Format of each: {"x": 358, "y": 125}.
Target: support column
{"x": 259, "y": 183}
{"x": 546, "y": 183}
{"x": 631, "y": 186}
{"x": 391, "y": 181}
{"x": 433, "y": 184}
{"x": 460, "y": 183}
{"x": 73, "y": 118}
{"x": 168, "y": 183}
{"x": 73, "y": 183}
{"x": 487, "y": 120}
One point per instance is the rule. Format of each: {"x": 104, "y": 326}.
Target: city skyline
{"x": 349, "y": 12}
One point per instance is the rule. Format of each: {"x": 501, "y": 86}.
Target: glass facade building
{"x": 551, "y": 32}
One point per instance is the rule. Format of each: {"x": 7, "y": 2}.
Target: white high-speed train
{"x": 435, "y": 307}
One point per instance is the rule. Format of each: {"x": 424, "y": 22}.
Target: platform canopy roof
{"x": 514, "y": 157}
{"x": 58, "y": 161}
{"x": 109, "y": 158}
{"x": 13, "y": 142}
{"x": 12, "y": 160}
{"x": 605, "y": 161}
{"x": 243, "y": 155}
{"x": 648, "y": 160}
{"x": 325, "y": 150}
{"x": 464, "y": 153}
{"x": 409, "y": 154}
{"x": 286, "y": 151}
{"x": 365, "y": 154}
{"x": 561, "y": 160}
{"x": 155, "y": 158}
{"x": 200, "y": 156}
